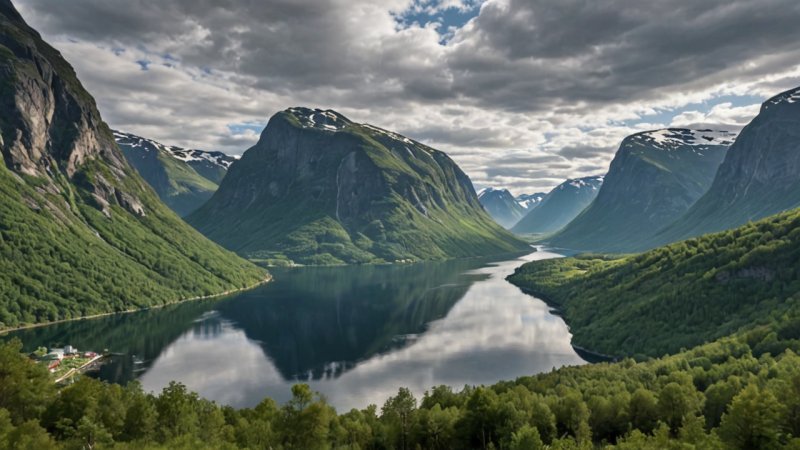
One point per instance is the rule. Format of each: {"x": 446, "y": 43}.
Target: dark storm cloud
{"x": 521, "y": 74}
{"x": 522, "y": 55}
{"x": 581, "y": 152}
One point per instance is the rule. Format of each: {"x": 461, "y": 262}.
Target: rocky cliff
{"x": 320, "y": 189}
{"x": 655, "y": 177}
{"x": 759, "y": 177}
{"x": 81, "y": 232}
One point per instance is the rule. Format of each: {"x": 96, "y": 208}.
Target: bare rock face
{"x": 318, "y": 188}
{"x": 50, "y": 125}
{"x": 759, "y": 177}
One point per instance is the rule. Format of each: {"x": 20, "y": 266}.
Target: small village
{"x": 66, "y": 362}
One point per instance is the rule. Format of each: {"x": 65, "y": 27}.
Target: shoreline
{"x": 556, "y": 309}
{"x": 500, "y": 256}
{"x": 266, "y": 280}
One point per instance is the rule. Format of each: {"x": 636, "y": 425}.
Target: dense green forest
{"x": 741, "y": 392}
{"x": 677, "y": 296}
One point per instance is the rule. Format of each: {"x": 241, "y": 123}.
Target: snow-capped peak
{"x": 670, "y": 138}
{"x": 182, "y": 154}
{"x": 326, "y": 120}
{"x": 788, "y": 97}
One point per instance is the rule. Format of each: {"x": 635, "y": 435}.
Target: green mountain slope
{"x": 676, "y": 296}
{"x": 183, "y": 179}
{"x": 560, "y": 206}
{"x": 502, "y": 206}
{"x": 759, "y": 177}
{"x": 80, "y": 231}
{"x": 654, "y": 178}
{"x": 320, "y": 189}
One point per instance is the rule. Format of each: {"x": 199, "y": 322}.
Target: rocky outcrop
{"x": 50, "y": 125}
{"x": 319, "y": 188}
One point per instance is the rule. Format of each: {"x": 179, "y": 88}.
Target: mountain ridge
{"x": 654, "y": 177}
{"x": 81, "y": 232}
{"x": 318, "y": 188}
{"x": 560, "y": 206}
{"x": 184, "y": 179}
{"x": 758, "y": 177}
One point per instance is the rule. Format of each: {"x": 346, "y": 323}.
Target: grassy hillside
{"x": 80, "y": 232}
{"x": 62, "y": 258}
{"x": 676, "y": 296}
{"x": 339, "y": 192}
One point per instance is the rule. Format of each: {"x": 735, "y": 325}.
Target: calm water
{"x": 355, "y": 334}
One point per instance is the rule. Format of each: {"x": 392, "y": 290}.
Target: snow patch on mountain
{"x": 671, "y": 138}
{"x": 182, "y": 154}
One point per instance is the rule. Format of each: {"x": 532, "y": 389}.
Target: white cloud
{"x": 565, "y": 80}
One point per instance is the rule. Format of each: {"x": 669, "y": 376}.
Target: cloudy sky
{"x": 521, "y": 93}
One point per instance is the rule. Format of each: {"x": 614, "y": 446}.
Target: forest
{"x": 739, "y": 392}
{"x": 678, "y": 296}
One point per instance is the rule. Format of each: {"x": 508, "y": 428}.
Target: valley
{"x": 579, "y": 230}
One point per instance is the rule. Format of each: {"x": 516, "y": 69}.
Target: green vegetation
{"x": 677, "y": 296}
{"x": 720, "y": 395}
{"x": 80, "y": 231}
{"x": 59, "y": 262}
{"x": 359, "y": 195}
{"x": 183, "y": 186}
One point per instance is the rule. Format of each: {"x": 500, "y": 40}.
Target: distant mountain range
{"x": 502, "y": 206}
{"x": 506, "y": 209}
{"x": 81, "y": 231}
{"x": 320, "y": 189}
{"x": 530, "y": 201}
{"x": 560, "y": 206}
{"x": 184, "y": 179}
{"x": 654, "y": 178}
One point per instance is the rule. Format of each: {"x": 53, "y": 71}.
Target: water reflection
{"x": 356, "y": 334}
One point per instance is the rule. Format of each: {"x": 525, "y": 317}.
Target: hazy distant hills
{"x": 654, "y": 178}
{"x": 560, "y": 206}
{"x": 81, "y": 232}
{"x": 759, "y": 177}
{"x": 502, "y": 206}
{"x": 320, "y": 189}
{"x": 184, "y": 179}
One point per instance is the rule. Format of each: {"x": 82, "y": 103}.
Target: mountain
{"x": 759, "y": 177}
{"x": 80, "y": 232}
{"x": 183, "y": 179}
{"x": 676, "y": 296}
{"x": 502, "y": 206}
{"x": 655, "y": 177}
{"x": 560, "y": 206}
{"x": 530, "y": 201}
{"x": 320, "y": 189}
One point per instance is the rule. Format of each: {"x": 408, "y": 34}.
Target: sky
{"x": 522, "y": 94}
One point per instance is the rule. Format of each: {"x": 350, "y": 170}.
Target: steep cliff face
{"x": 759, "y": 177}
{"x": 654, "y": 178}
{"x": 183, "y": 179}
{"x": 560, "y": 206}
{"x": 320, "y": 189}
{"x": 81, "y": 232}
